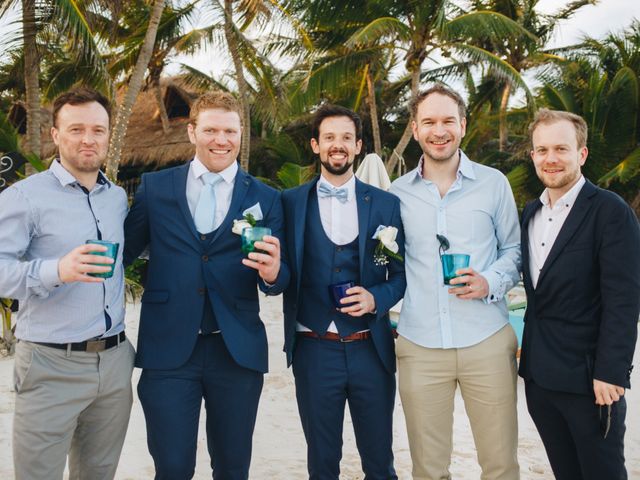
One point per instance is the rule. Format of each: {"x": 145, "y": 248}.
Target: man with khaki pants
{"x": 458, "y": 333}
{"x": 73, "y": 362}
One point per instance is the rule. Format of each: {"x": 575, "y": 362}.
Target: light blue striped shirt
{"x": 42, "y": 218}
{"x": 478, "y": 216}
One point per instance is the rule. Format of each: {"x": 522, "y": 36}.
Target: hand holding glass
{"x": 452, "y": 262}
{"x": 338, "y": 291}
{"x": 250, "y": 235}
{"x": 111, "y": 252}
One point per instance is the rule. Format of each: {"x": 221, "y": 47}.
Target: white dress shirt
{"x": 339, "y": 221}
{"x": 545, "y": 226}
{"x": 223, "y": 190}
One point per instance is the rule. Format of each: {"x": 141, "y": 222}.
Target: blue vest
{"x": 324, "y": 264}
{"x": 208, "y": 323}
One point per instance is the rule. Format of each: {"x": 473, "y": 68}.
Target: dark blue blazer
{"x": 181, "y": 265}
{"x": 581, "y": 321}
{"x": 386, "y": 283}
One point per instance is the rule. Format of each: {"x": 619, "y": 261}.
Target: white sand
{"x": 279, "y": 448}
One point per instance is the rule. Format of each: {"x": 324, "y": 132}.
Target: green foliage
{"x": 292, "y": 175}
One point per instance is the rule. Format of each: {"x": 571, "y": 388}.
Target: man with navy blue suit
{"x": 347, "y": 353}
{"x": 200, "y": 331}
{"x": 581, "y": 258}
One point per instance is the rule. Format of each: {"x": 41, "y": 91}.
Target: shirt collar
{"x": 350, "y": 185}
{"x": 465, "y": 167}
{"x": 568, "y": 199}
{"x": 228, "y": 174}
{"x": 66, "y": 178}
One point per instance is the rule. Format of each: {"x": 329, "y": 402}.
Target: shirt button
{"x": 543, "y": 244}
{"x": 205, "y": 258}
{"x": 550, "y": 220}
{"x": 203, "y": 237}
{"x": 107, "y": 307}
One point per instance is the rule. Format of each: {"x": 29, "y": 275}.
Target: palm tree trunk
{"x": 406, "y": 136}
{"x": 135, "y": 84}
{"x": 31, "y": 77}
{"x": 373, "y": 111}
{"x": 243, "y": 91}
{"x": 506, "y": 93}
{"x": 164, "y": 117}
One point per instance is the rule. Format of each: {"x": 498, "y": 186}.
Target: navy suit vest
{"x": 326, "y": 263}
{"x": 208, "y": 323}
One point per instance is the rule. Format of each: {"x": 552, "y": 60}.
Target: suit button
{"x": 205, "y": 258}
{"x": 201, "y": 291}
{"x": 337, "y": 270}
{"x": 339, "y": 249}
{"x": 203, "y": 237}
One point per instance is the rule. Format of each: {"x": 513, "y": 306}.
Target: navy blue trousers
{"x": 327, "y": 375}
{"x": 569, "y": 426}
{"x": 171, "y": 400}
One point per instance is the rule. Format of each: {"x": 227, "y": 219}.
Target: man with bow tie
{"x": 346, "y": 239}
{"x": 200, "y": 332}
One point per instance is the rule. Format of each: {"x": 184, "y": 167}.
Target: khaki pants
{"x": 74, "y": 403}
{"x": 486, "y": 373}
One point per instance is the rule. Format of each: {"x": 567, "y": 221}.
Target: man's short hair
{"x": 79, "y": 96}
{"x": 326, "y": 111}
{"x": 546, "y": 116}
{"x": 442, "y": 90}
{"x": 216, "y": 99}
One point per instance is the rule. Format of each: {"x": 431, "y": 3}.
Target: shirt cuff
{"x": 496, "y": 287}
{"x": 49, "y": 274}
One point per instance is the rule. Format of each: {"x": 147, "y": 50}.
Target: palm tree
{"x": 135, "y": 84}
{"x": 521, "y": 53}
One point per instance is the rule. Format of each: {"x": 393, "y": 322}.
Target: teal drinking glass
{"x": 112, "y": 252}
{"x": 250, "y": 235}
{"x": 452, "y": 262}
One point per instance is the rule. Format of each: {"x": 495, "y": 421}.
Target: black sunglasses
{"x": 605, "y": 420}
{"x": 444, "y": 243}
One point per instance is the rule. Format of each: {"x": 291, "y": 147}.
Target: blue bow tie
{"x": 326, "y": 191}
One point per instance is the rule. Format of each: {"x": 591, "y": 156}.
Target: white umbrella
{"x": 372, "y": 171}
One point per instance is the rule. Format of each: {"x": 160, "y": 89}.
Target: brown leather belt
{"x": 336, "y": 337}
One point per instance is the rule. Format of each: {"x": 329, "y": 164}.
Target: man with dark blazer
{"x": 347, "y": 353}
{"x": 581, "y": 258}
{"x": 200, "y": 331}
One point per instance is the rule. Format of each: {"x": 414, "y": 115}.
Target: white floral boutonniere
{"x": 250, "y": 217}
{"x": 387, "y": 246}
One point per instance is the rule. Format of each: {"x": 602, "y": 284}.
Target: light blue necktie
{"x": 326, "y": 191}
{"x": 205, "y": 213}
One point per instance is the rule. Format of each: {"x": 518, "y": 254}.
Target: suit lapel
{"x": 299, "y": 223}
{"x": 570, "y": 226}
{"x": 240, "y": 189}
{"x": 363, "y": 199}
{"x": 528, "y": 213}
{"x": 180, "y": 194}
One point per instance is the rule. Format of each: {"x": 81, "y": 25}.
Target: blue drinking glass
{"x": 112, "y": 252}
{"x": 452, "y": 262}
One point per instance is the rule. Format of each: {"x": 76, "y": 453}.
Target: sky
{"x": 596, "y": 21}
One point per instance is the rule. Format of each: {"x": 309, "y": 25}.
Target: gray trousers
{"x": 70, "y": 403}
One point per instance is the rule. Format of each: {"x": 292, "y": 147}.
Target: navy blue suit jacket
{"x": 582, "y": 318}
{"x": 386, "y": 283}
{"x": 180, "y": 267}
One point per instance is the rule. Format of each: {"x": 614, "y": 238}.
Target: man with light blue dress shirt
{"x": 73, "y": 363}
{"x": 457, "y": 334}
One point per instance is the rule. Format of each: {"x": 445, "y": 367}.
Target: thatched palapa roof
{"x": 146, "y": 145}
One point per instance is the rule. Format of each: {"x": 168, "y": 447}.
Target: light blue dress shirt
{"x": 42, "y": 218}
{"x": 478, "y": 216}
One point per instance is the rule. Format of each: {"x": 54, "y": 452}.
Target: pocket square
{"x": 255, "y": 211}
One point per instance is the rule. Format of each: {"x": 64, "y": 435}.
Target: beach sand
{"x": 279, "y": 449}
